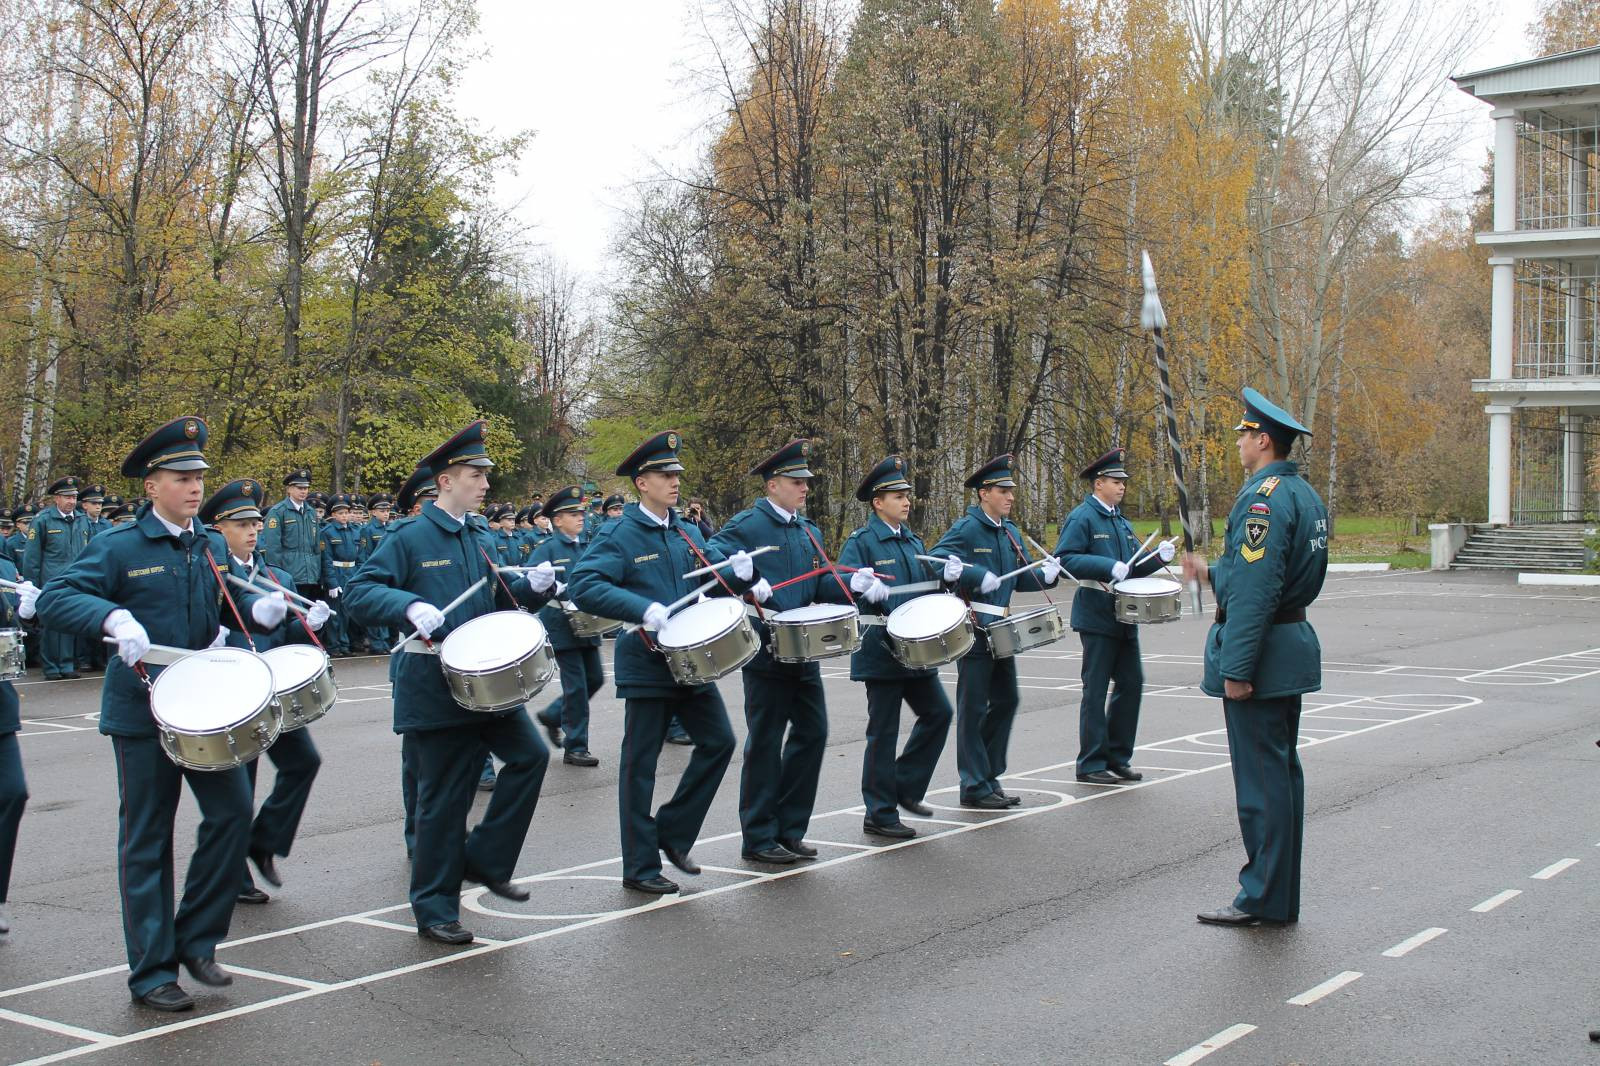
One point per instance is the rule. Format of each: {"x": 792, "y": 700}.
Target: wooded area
{"x": 916, "y": 229}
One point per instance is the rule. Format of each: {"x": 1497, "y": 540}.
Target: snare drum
{"x": 811, "y": 634}
{"x": 497, "y": 661}
{"x": 707, "y": 640}
{"x": 1148, "y": 600}
{"x": 215, "y": 709}
{"x": 586, "y": 625}
{"x": 930, "y": 631}
{"x": 13, "y": 655}
{"x": 1032, "y": 628}
{"x": 303, "y": 678}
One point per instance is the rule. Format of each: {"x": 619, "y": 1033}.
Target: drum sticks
{"x": 293, "y": 597}
{"x": 718, "y": 566}
{"x": 446, "y": 609}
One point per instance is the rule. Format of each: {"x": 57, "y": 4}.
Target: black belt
{"x": 1287, "y": 616}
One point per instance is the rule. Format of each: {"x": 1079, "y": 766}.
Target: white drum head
{"x": 211, "y": 690}
{"x": 1148, "y": 586}
{"x": 1031, "y": 612}
{"x": 815, "y": 612}
{"x": 491, "y": 641}
{"x": 927, "y": 616}
{"x": 700, "y": 622}
{"x": 294, "y": 664}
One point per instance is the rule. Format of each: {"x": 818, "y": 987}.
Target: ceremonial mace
{"x": 1154, "y": 319}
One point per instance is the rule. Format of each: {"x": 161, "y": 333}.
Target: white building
{"x": 1543, "y": 388}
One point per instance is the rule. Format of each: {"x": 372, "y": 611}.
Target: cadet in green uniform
{"x": 156, "y": 580}
{"x": 419, "y": 569}
{"x": 630, "y": 572}
{"x": 22, "y": 521}
{"x": 93, "y": 501}
{"x": 986, "y": 687}
{"x": 885, "y": 546}
{"x": 1098, "y": 544}
{"x": 8, "y": 527}
{"x": 341, "y": 553}
{"x": 1262, "y": 655}
{"x": 417, "y": 490}
{"x": 235, "y": 511}
{"x": 582, "y": 673}
{"x": 293, "y": 534}
{"x": 380, "y": 507}
{"x": 778, "y": 786}
{"x": 58, "y": 536}
{"x": 14, "y": 605}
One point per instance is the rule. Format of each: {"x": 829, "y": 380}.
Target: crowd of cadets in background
{"x": 352, "y": 526}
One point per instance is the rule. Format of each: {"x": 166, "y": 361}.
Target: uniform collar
{"x": 646, "y": 519}
{"x": 983, "y": 516}
{"x": 1278, "y": 468}
{"x": 882, "y": 528}
{"x": 783, "y": 517}
{"x": 155, "y": 527}
{"x": 1104, "y": 506}
{"x": 66, "y": 517}
{"x": 442, "y": 518}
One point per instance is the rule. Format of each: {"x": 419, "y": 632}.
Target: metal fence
{"x": 1558, "y": 172}
{"x": 1557, "y": 318}
{"x": 1545, "y": 445}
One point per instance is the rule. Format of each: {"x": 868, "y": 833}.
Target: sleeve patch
{"x": 1260, "y": 508}
{"x": 1254, "y": 547}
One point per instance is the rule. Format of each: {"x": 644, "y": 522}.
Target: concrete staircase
{"x": 1550, "y": 547}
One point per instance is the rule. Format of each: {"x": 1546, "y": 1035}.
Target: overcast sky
{"x": 607, "y": 88}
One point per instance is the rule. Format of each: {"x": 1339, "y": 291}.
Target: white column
{"x": 1502, "y": 311}
{"x": 1572, "y": 471}
{"x": 1505, "y": 169}
{"x": 1499, "y": 464}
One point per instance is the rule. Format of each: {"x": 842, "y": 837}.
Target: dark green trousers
{"x": 1106, "y": 730}
{"x": 787, "y": 719}
{"x": 885, "y": 779}
{"x": 677, "y": 823}
{"x": 1270, "y": 791}
{"x": 296, "y": 762}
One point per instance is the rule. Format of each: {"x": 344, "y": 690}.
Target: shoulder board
{"x": 1267, "y": 486}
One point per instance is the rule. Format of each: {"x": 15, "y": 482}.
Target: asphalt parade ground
{"x": 1451, "y": 872}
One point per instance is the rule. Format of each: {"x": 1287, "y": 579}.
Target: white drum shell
{"x": 1021, "y": 631}
{"x": 813, "y": 633}
{"x": 1148, "y": 600}
{"x": 930, "y": 631}
{"x": 584, "y": 624}
{"x": 13, "y": 655}
{"x": 304, "y": 683}
{"x": 708, "y": 640}
{"x": 497, "y": 661}
{"x": 214, "y": 709}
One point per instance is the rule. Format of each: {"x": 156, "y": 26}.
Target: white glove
{"x": 989, "y": 583}
{"x": 561, "y": 588}
{"x": 1166, "y": 551}
{"x": 655, "y": 616}
{"x": 862, "y": 580}
{"x": 270, "y": 610}
{"x": 424, "y": 617}
{"x": 876, "y": 592}
{"x": 133, "y": 643}
{"x": 952, "y": 569}
{"x": 743, "y": 565}
{"x": 220, "y": 639}
{"x": 317, "y": 616}
{"x": 333, "y": 593}
{"x": 27, "y": 593}
{"x": 1119, "y": 571}
{"x": 542, "y": 577}
{"x": 762, "y": 591}
{"x": 1050, "y": 569}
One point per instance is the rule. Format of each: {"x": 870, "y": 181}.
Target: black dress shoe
{"x": 991, "y": 802}
{"x": 655, "y": 886}
{"x": 800, "y": 848}
{"x": 71, "y": 675}
{"x": 503, "y": 889}
{"x": 898, "y": 831}
{"x": 777, "y": 855}
{"x": 446, "y": 933}
{"x": 553, "y": 731}
{"x": 1011, "y": 801}
{"x": 683, "y": 740}
{"x": 1229, "y": 915}
{"x": 917, "y": 807}
{"x": 168, "y": 997}
{"x": 253, "y": 895}
{"x": 1100, "y": 777}
{"x": 579, "y": 758}
{"x": 1127, "y": 773}
{"x": 268, "y": 868}
{"x": 681, "y": 860}
{"x": 207, "y": 972}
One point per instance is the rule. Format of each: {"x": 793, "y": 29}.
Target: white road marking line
{"x": 1495, "y": 900}
{"x": 733, "y": 870}
{"x": 1207, "y": 1046}
{"x": 1331, "y": 985}
{"x": 1411, "y": 943}
{"x": 57, "y": 982}
{"x": 379, "y": 923}
{"x": 59, "y": 1028}
{"x": 282, "y": 979}
{"x": 818, "y": 841}
{"x": 1554, "y": 868}
{"x": 937, "y": 821}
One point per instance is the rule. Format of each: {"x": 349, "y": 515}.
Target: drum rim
{"x": 917, "y": 601}
{"x": 243, "y": 656}
{"x": 1170, "y": 587}
{"x": 736, "y": 618}
{"x": 444, "y": 646}
{"x": 842, "y": 611}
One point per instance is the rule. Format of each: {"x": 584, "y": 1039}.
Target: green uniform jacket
{"x": 341, "y": 553}
{"x": 432, "y": 559}
{"x": 559, "y": 551}
{"x": 10, "y": 710}
{"x": 797, "y": 553}
{"x": 634, "y": 562}
{"x": 372, "y": 535}
{"x": 1092, "y": 541}
{"x": 172, "y": 593}
{"x": 992, "y": 549}
{"x": 1274, "y": 559}
{"x": 894, "y": 555}
{"x": 54, "y": 543}
{"x": 290, "y": 540}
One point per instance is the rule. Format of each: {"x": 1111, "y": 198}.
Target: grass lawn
{"x": 1356, "y": 539}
